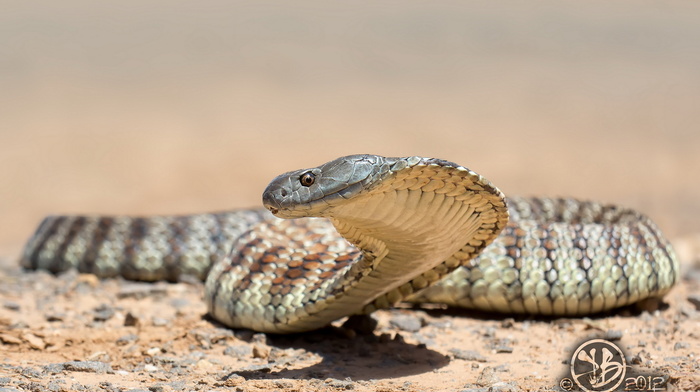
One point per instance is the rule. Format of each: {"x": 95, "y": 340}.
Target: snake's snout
{"x": 272, "y": 199}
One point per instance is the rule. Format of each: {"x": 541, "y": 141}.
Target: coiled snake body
{"x": 373, "y": 231}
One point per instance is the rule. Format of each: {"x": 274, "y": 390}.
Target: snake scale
{"x": 372, "y": 231}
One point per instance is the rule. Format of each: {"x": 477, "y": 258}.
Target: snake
{"x": 365, "y": 232}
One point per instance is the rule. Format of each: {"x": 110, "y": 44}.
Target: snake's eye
{"x": 307, "y": 179}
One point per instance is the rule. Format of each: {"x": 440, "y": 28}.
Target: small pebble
{"x": 260, "y": 351}
{"x": 487, "y": 377}
{"x": 11, "y": 305}
{"x": 695, "y": 300}
{"x": 9, "y": 339}
{"x": 103, "y": 312}
{"x": 362, "y": 324}
{"x": 467, "y": 355}
{"x": 259, "y": 338}
{"x": 239, "y": 351}
{"x": 126, "y": 339}
{"x": 612, "y": 335}
{"x": 140, "y": 290}
{"x": 504, "y": 387}
{"x": 179, "y": 303}
{"x": 34, "y": 341}
{"x": 284, "y": 384}
{"x": 340, "y": 384}
{"x": 507, "y": 323}
{"x": 406, "y": 322}
{"x": 489, "y": 332}
{"x": 153, "y": 351}
{"x": 87, "y": 367}
{"x": 130, "y": 320}
{"x": 504, "y": 349}
{"x": 680, "y": 345}
{"x": 160, "y": 322}
{"x": 150, "y": 368}
{"x": 54, "y": 317}
{"x": 636, "y": 359}
{"x": 204, "y": 365}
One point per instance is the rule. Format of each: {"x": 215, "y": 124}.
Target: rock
{"x": 467, "y": 355}
{"x": 489, "y": 332}
{"x": 362, "y": 324}
{"x": 32, "y": 373}
{"x": 239, "y": 351}
{"x": 9, "y": 339}
{"x": 179, "y": 303}
{"x": 11, "y": 305}
{"x": 263, "y": 368}
{"x": 340, "y": 384}
{"x": 54, "y": 317}
{"x": 204, "y": 365}
{"x": 681, "y": 346}
{"x": 103, "y": 312}
{"x": 130, "y": 320}
{"x": 503, "y": 349}
{"x": 34, "y": 341}
{"x": 260, "y": 351}
{"x": 635, "y": 359}
{"x": 233, "y": 380}
{"x": 109, "y": 387}
{"x": 160, "y": 322}
{"x": 612, "y": 335}
{"x": 259, "y": 338}
{"x": 695, "y": 300}
{"x": 504, "y": 387}
{"x": 163, "y": 359}
{"x": 487, "y": 377}
{"x": 152, "y": 351}
{"x": 138, "y": 290}
{"x": 507, "y": 323}
{"x": 81, "y": 366}
{"x": 100, "y": 356}
{"x": 127, "y": 339}
{"x": 284, "y": 384}
{"x": 406, "y": 322}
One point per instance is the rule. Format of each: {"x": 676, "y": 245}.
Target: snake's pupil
{"x": 307, "y": 179}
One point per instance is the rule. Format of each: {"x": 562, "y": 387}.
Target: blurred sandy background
{"x": 180, "y": 106}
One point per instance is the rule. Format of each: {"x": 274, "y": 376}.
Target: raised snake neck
{"x": 422, "y": 230}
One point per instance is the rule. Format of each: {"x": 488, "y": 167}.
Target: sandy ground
{"x": 172, "y": 107}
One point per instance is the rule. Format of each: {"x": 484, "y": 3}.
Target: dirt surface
{"x": 74, "y": 332}
{"x": 176, "y": 107}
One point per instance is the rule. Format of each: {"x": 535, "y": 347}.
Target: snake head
{"x": 314, "y": 191}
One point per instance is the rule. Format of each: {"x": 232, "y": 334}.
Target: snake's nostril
{"x": 283, "y": 192}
